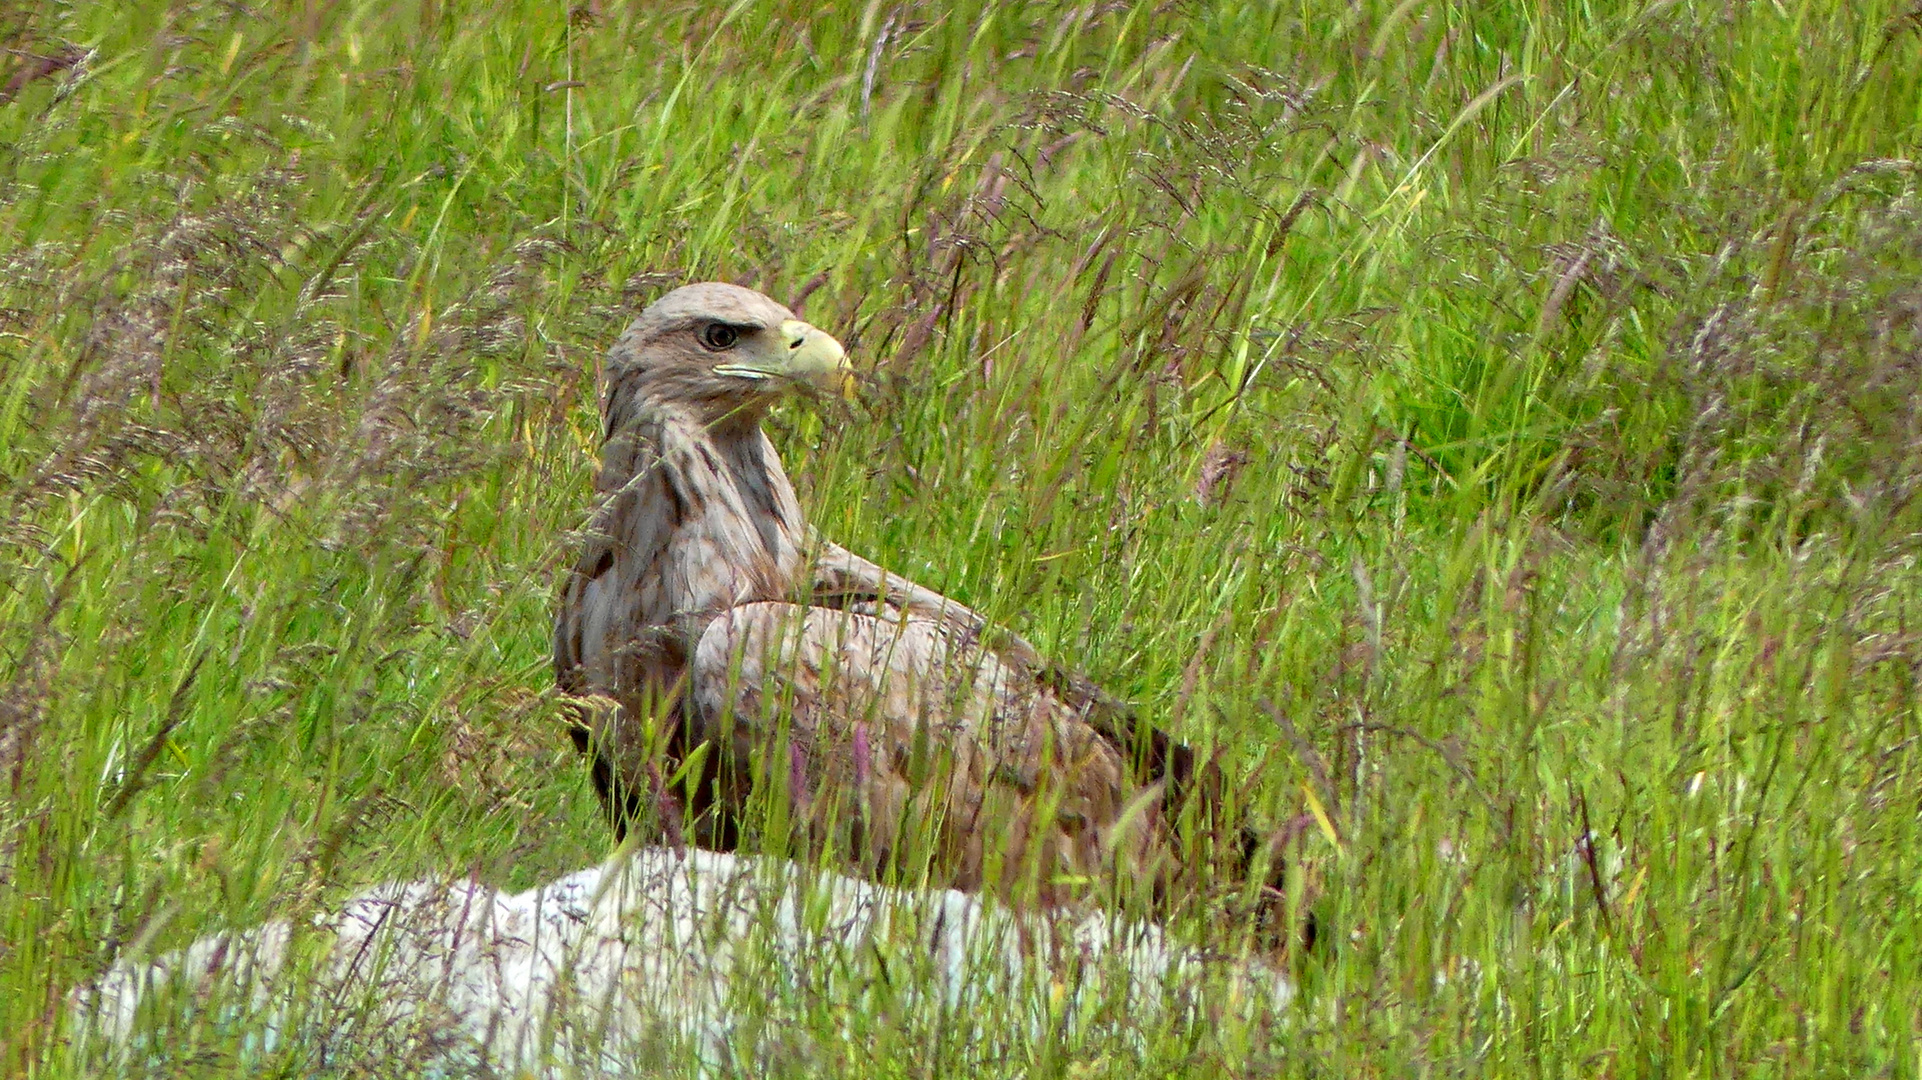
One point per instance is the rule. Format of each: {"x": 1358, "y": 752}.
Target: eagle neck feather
{"x": 737, "y": 527}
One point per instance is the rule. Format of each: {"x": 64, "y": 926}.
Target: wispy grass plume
{"x": 1489, "y": 429}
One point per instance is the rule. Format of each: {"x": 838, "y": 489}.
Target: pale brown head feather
{"x": 715, "y": 348}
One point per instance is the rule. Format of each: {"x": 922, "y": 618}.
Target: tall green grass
{"x": 1492, "y": 428}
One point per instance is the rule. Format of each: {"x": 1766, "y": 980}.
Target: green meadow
{"x": 1491, "y": 429}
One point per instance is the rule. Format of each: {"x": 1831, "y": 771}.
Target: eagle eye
{"x": 719, "y": 336}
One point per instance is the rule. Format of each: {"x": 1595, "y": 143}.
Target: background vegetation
{"x": 1490, "y": 426}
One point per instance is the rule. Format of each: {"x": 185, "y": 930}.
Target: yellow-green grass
{"x": 1490, "y": 427}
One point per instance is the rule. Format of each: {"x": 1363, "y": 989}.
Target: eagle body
{"x": 693, "y": 523}
{"x": 744, "y": 662}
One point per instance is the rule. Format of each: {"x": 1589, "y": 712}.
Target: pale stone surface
{"x": 736, "y": 963}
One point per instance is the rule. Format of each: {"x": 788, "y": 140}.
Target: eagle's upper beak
{"x": 813, "y": 356}
{"x": 803, "y": 355}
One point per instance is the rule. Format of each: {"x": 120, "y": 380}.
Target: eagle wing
{"x": 919, "y": 750}
{"x": 844, "y": 579}
{"x": 603, "y": 646}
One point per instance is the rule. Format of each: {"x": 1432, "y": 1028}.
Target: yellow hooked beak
{"x": 803, "y": 355}
{"x": 813, "y": 356}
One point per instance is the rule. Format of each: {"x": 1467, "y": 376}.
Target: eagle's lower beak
{"x": 804, "y": 355}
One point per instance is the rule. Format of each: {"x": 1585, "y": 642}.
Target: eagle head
{"x": 728, "y": 350}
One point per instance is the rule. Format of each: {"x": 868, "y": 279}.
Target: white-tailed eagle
{"x": 738, "y": 658}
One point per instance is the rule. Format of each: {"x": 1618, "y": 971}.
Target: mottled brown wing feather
{"x": 614, "y": 646}
{"x": 595, "y": 612}
{"x": 842, "y": 578}
{"x": 949, "y": 762}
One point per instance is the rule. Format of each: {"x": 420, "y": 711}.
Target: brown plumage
{"x": 728, "y": 645}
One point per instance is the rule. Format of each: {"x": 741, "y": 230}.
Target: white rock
{"x": 664, "y": 957}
